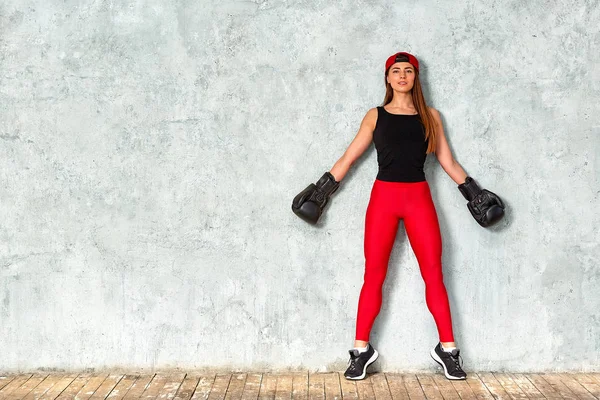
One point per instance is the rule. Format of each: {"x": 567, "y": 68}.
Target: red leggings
{"x": 390, "y": 202}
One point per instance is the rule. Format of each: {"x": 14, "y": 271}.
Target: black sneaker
{"x": 358, "y": 363}
{"x": 451, "y": 362}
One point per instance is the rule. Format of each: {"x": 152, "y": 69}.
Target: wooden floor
{"x": 380, "y": 386}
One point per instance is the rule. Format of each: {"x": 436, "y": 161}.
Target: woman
{"x": 404, "y": 131}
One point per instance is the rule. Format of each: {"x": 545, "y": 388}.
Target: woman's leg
{"x": 423, "y": 231}
{"x": 381, "y": 225}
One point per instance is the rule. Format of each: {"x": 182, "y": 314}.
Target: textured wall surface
{"x": 150, "y": 150}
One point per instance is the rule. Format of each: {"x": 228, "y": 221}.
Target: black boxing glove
{"x": 486, "y": 207}
{"x": 309, "y": 203}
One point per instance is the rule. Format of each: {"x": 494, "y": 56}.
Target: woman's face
{"x": 401, "y": 76}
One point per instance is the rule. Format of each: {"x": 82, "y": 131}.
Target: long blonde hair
{"x": 420, "y": 105}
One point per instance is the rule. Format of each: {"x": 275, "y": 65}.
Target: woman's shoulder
{"x": 371, "y": 113}
{"x": 370, "y": 118}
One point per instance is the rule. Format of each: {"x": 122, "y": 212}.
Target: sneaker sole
{"x": 439, "y": 361}
{"x": 371, "y": 361}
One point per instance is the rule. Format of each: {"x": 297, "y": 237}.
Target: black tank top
{"x": 401, "y": 147}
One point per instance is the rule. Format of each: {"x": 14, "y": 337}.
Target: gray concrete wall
{"x": 150, "y": 150}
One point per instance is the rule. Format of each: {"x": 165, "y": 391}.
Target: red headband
{"x": 401, "y": 57}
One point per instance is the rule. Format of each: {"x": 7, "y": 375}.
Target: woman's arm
{"x": 361, "y": 142}
{"x": 443, "y": 153}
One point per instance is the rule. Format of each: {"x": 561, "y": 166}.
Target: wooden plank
{"x": 220, "y": 386}
{"x": 6, "y": 379}
{"x": 14, "y": 385}
{"x": 26, "y": 387}
{"x": 493, "y": 386}
{"x": 526, "y": 386}
{"x": 300, "y": 386}
{"x": 333, "y": 390}
{"x": 429, "y": 387}
{"x": 236, "y": 387}
{"x": 252, "y": 386}
{"x": 396, "y": 385}
{"x": 154, "y": 387}
{"x": 513, "y": 390}
{"x": 413, "y": 387}
{"x": 138, "y": 387}
{"x": 575, "y": 386}
{"x": 588, "y": 382}
{"x": 365, "y": 389}
{"x": 595, "y": 376}
{"x": 380, "y": 386}
{"x": 316, "y": 386}
{"x": 106, "y": 387}
{"x": 349, "y": 389}
{"x": 464, "y": 390}
{"x": 204, "y": 387}
{"x": 43, "y": 387}
{"x": 544, "y": 387}
{"x": 284, "y": 387}
{"x": 170, "y": 388}
{"x": 90, "y": 387}
{"x": 122, "y": 387}
{"x": 559, "y": 386}
{"x": 268, "y": 386}
{"x": 187, "y": 387}
{"x": 479, "y": 389}
{"x": 445, "y": 387}
{"x": 585, "y": 377}
{"x": 58, "y": 387}
{"x": 74, "y": 388}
